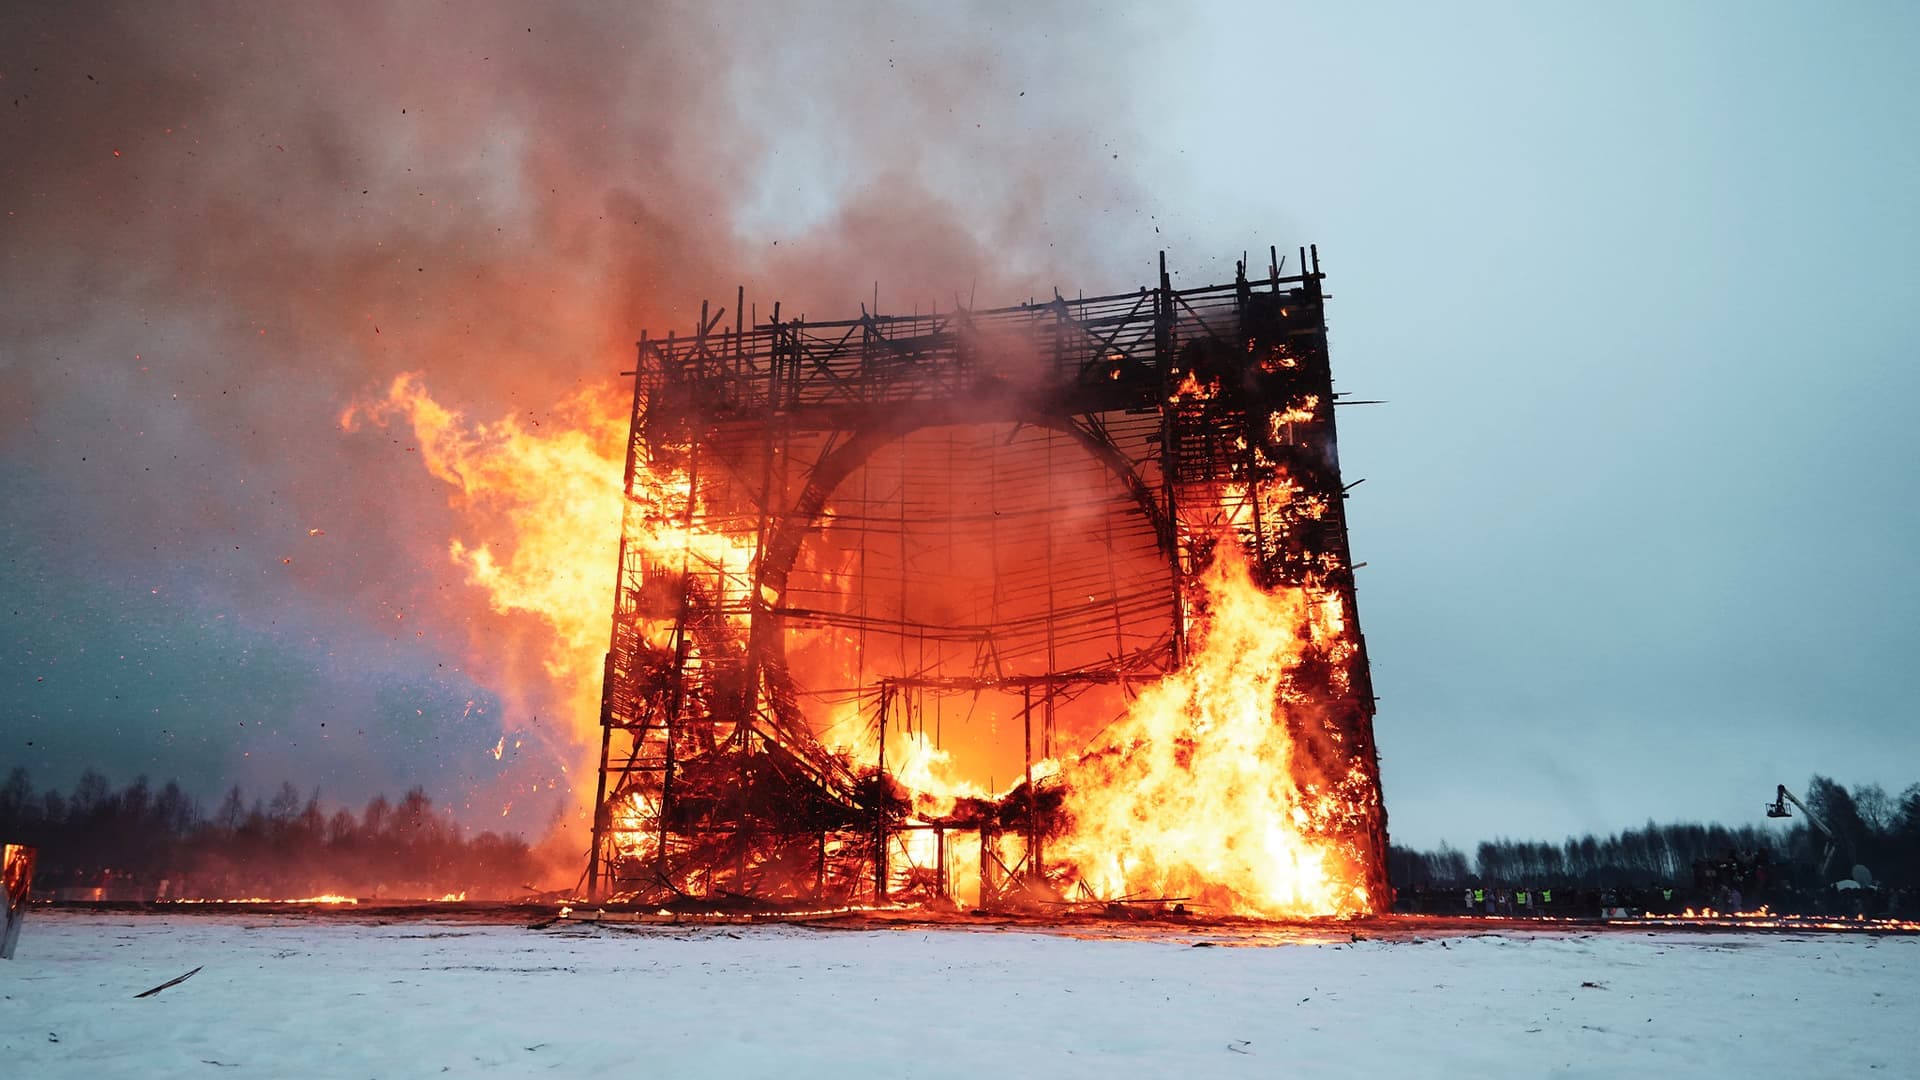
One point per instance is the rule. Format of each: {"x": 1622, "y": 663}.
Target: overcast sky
{"x": 1637, "y": 282}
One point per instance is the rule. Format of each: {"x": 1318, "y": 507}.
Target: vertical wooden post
{"x": 880, "y": 811}
{"x": 602, "y": 818}
{"x": 1033, "y": 804}
{"x": 987, "y": 887}
{"x": 1170, "y": 453}
{"x": 940, "y": 861}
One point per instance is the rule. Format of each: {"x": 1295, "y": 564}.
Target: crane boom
{"x": 1778, "y": 809}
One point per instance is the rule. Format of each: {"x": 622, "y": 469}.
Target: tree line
{"x": 1870, "y": 828}
{"x": 137, "y": 842}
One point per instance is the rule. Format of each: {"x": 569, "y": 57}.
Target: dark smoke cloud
{"x": 225, "y": 223}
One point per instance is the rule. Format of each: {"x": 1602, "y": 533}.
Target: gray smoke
{"x": 227, "y": 222}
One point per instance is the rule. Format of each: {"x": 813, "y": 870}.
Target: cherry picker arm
{"x": 1778, "y": 809}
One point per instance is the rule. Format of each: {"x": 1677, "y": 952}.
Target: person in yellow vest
{"x": 1546, "y": 901}
{"x": 1480, "y": 900}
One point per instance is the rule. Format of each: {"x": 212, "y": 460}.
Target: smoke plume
{"x": 228, "y": 224}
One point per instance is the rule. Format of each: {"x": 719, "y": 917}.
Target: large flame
{"x": 1196, "y": 793}
{"x": 549, "y": 486}
{"x": 541, "y": 528}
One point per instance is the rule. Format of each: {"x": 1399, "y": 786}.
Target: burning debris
{"x": 16, "y": 887}
{"x": 1067, "y": 580}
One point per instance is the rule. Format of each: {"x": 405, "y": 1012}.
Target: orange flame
{"x": 1195, "y": 793}
{"x": 544, "y": 526}
{"x": 324, "y": 898}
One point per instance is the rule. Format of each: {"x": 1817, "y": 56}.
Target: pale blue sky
{"x": 1638, "y": 281}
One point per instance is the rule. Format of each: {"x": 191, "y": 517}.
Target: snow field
{"x": 290, "y": 996}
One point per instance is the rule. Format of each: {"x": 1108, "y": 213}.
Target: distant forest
{"x": 137, "y": 843}
{"x": 1689, "y": 864}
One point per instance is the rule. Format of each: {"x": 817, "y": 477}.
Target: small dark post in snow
{"x": 16, "y": 871}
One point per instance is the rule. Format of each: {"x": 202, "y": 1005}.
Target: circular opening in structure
{"x": 998, "y": 587}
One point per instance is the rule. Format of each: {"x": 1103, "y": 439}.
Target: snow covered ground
{"x": 288, "y": 996}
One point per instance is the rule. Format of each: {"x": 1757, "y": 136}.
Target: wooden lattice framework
{"x": 1211, "y": 408}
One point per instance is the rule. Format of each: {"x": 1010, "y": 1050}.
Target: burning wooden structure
{"x": 893, "y": 591}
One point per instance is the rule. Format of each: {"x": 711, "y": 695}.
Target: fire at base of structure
{"x": 1023, "y": 606}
